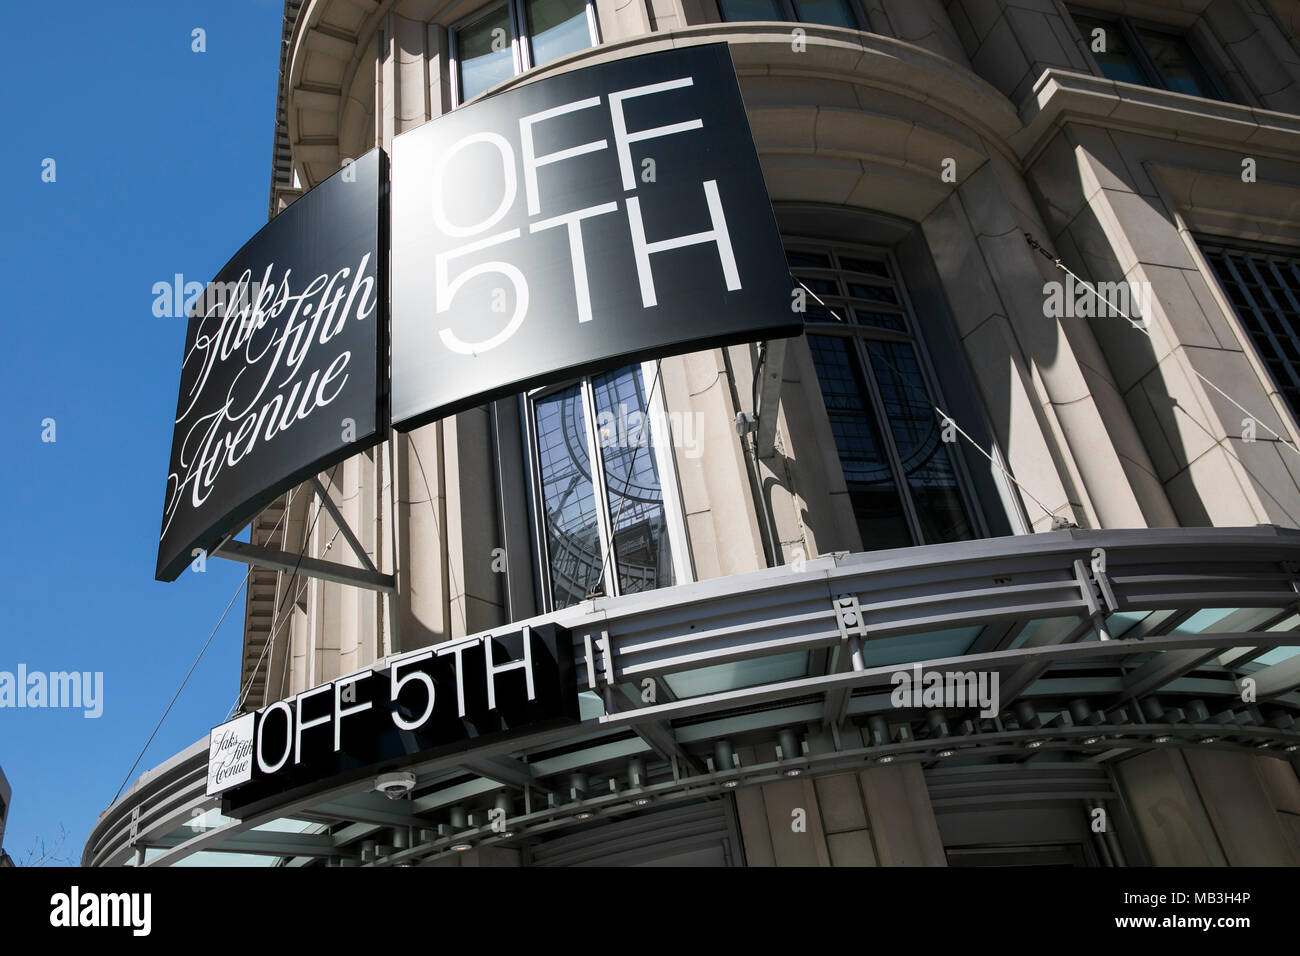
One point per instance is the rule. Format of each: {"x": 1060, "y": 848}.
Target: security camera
{"x": 395, "y": 785}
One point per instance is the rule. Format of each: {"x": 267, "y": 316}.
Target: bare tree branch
{"x": 40, "y": 855}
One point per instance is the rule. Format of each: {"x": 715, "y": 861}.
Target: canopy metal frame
{"x": 1125, "y": 603}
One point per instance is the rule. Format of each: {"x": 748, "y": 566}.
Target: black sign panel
{"x": 444, "y": 699}
{"x": 590, "y": 219}
{"x": 279, "y": 379}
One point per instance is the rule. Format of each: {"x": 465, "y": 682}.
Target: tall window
{"x": 504, "y": 39}
{"x": 835, "y": 13}
{"x": 902, "y": 477}
{"x": 1264, "y": 289}
{"x": 1130, "y": 51}
{"x": 598, "y": 469}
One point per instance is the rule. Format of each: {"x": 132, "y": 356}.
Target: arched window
{"x": 504, "y": 39}
{"x": 904, "y": 481}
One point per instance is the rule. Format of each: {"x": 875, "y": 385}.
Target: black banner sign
{"x": 449, "y": 697}
{"x": 280, "y": 377}
{"x": 594, "y": 218}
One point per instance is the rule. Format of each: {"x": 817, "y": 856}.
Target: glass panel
{"x": 873, "y": 293}
{"x": 483, "y": 53}
{"x": 636, "y": 507}
{"x": 737, "y": 674}
{"x": 1265, "y": 293}
{"x": 823, "y": 287}
{"x": 557, "y": 27}
{"x": 207, "y": 858}
{"x": 732, "y": 10}
{"x": 1044, "y": 630}
{"x": 918, "y": 433}
{"x": 835, "y": 13}
{"x": 290, "y": 825}
{"x": 907, "y": 648}
{"x": 1277, "y": 655}
{"x": 814, "y": 311}
{"x": 828, "y": 291}
{"x": 590, "y": 705}
{"x": 1151, "y": 623}
{"x": 881, "y": 320}
{"x": 1121, "y": 622}
{"x": 1203, "y": 620}
{"x": 1177, "y": 64}
{"x": 808, "y": 260}
{"x": 568, "y": 497}
{"x": 867, "y": 474}
{"x": 871, "y": 267}
{"x": 208, "y": 820}
{"x": 1116, "y": 60}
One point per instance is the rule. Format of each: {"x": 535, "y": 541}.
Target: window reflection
{"x": 568, "y": 497}
{"x": 642, "y": 552}
{"x": 542, "y": 30}
{"x": 867, "y": 473}
{"x": 557, "y": 27}
{"x": 627, "y": 487}
{"x": 483, "y": 53}
{"x": 918, "y": 435}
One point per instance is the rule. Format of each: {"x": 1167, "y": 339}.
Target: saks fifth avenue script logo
{"x": 279, "y": 373}
{"x": 278, "y": 379}
{"x": 230, "y": 754}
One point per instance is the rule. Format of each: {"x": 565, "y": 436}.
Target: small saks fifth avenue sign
{"x": 230, "y": 753}
{"x": 445, "y": 698}
{"x": 280, "y": 370}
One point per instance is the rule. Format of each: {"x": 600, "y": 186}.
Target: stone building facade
{"x": 960, "y": 418}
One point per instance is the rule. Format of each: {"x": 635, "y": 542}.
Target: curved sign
{"x": 443, "y": 699}
{"x": 591, "y": 219}
{"x": 280, "y": 371}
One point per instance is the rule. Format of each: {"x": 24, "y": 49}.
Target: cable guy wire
{"x": 946, "y": 417}
{"x": 177, "y": 695}
{"x": 292, "y": 578}
{"x": 1141, "y": 327}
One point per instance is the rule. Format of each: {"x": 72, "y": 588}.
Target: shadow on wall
{"x": 1174, "y": 433}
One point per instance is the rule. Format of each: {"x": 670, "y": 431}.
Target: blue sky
{"x": 162, "y": 166}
